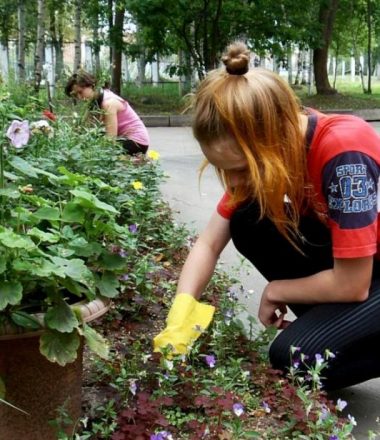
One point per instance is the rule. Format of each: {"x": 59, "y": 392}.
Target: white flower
{"x": 41, "y": 127}
{"x": 340, "y": 405}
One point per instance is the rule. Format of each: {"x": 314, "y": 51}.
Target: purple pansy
{"x": 296, "y": 363}
{"x": 133, "y": 386}
{"x": 318, "y": 360}
{"x": 333, "y": 437}
{"x": 123, "y": 253}
{"x": 124, "y": 277}
{"x": 238, "y": 409}
{"x": 210, "y": 360}
{"x": 161, "y": 435}
{"x": 132, "y": 229}
{"x": 18, "y": 133}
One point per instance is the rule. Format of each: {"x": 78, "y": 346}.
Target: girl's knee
{"x": 280, "y": 354}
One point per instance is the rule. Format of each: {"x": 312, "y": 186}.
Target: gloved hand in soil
{"x": 186, "y": 321}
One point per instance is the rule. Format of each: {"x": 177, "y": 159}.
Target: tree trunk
{"x": 78, "y": 36}
{"x": 21, "y": 40}
{"x": 95, "y": 37}
{"x": 110, "y": 27}
{"x": 327, "y": 14}
{"x": 185, "y": 79}
{"x": 39, "y": 53}
{"x": 56, "y": 40}
{"x": 141, "y": 62}
{"x": 369, "y": 45}
{"x": 117, "y": 47}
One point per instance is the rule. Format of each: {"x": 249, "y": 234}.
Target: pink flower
{"x": 18, "y": 133}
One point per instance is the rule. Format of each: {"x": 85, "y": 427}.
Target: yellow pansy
{"x": 137, "y": 184}
{"x": 153, "y": 154}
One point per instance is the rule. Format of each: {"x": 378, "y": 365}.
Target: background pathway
{"x": 193, "y": 202}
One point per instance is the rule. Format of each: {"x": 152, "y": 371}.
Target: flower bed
{"x": 91, "y": 222}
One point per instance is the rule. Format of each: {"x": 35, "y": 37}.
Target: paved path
{"x": 193, "y": 203}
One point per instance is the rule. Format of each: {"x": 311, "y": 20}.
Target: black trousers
{"x": 132, "y": 148}
{"x": 350, "y": 330}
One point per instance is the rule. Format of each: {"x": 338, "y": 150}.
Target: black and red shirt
{"x": 344, "y": 167}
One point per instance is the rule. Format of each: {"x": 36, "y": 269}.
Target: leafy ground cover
{"x": 225, "y": 389}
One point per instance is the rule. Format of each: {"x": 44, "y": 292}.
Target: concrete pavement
{"x": 193, "y": 202}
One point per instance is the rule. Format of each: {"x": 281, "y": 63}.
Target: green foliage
{"x": 65, "y": 234}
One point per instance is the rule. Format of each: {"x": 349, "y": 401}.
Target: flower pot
{"x": 37, "y": 386}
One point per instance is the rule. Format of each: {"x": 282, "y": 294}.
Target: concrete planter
{"x": 37, "y": 386}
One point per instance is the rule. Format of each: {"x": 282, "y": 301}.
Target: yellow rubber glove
{"x": 186, "y": 321}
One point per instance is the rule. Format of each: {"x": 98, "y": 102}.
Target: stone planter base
{"x": 38, "y": 386}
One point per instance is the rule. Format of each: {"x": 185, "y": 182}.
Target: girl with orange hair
{"x": 301, "y": 205}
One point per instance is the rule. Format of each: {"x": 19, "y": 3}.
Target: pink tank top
{"x": 129, "y": 124}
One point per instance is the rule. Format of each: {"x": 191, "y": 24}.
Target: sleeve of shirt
{"x": 224, "y": 207}
{"x": 350, "y": 187}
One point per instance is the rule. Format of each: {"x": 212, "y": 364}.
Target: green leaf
{"x": 11, "y": 193}
{"x": 108, "y": 285}
{"x": 88, "y": 249}
{"x": 96, "y": 342}
{"x": 70, "y": 178}
{"x": 88, "y": 200}
{"x": 60, "y": 347}
{"x": 67, "y": 232}
{"x": 113, "y": 261}
{"x": 73, "y": 213}
{"x": 75, "y": 269}
{"x": 10, "y": 293}
{"x": 11, "y": 176}
{"x": 25, "y": 320}
{"x": 3, "y": 263}
{"x": 2, "y": 389}
{"x": 12, "y": 240}
{"x": 60, "y": 317}
{"x": 23, "y": 166}
{"x": 45, "y": 269}
{"x": 43, "y": 236}
{"x": 47, "y": 213}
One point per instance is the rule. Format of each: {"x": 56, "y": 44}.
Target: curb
{"x": 166, "y": 120}
{"x": 185, "y": 120}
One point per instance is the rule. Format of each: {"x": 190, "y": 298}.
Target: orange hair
{"x": 260, "y": 112}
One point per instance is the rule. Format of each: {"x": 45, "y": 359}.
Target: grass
{"x": 350, "y": 96}
{"x": 162, "y": 99}
{"x": 165, "y": 98}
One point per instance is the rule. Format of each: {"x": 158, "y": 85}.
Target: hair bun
{"x": 236, "y": 59}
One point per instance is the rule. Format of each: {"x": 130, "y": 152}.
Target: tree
{"x": 40, "y": 44}
{"x": 117, "y": 45}
{"x": 326, "y": 17}
{"x": 78, "y": 35}
{"x": 57, "y": 15}
{"x": 21, "y": 40}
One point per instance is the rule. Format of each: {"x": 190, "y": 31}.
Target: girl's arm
{"x": 200, "y": 263}
{"x": 348, "y": 281}
{"x": 111, "y": 108}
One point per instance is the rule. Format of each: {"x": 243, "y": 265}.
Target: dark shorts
{"x": 131, "y": 147}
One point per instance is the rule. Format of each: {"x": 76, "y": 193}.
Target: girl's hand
{"x": 272, "y": 313}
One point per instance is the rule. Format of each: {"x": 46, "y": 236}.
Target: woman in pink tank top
{"x": 119, "y": 118}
